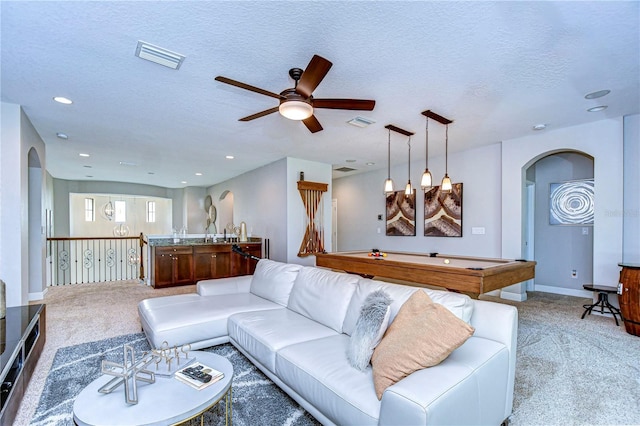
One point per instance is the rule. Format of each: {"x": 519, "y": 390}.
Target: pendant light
{"x": 408, "y": 190}
{"x": 446, "y": 181}
{"x": 427, "y": 180}
{"x": 388, "y": 184}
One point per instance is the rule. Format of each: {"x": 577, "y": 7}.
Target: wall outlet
{"x": 379, "y": 231}
{"x": 574, "y": 273}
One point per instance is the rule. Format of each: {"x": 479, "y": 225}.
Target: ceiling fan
{"x": 297, "y": 103}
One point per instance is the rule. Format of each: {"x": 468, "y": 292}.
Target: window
{"x": 89, "y": 211}
{"x": 151, "y": 211}
{"x": 120, "y": 214}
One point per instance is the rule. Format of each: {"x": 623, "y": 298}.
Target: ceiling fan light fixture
{"x": 296, "y": 110}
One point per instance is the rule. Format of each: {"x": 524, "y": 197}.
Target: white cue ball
{"x": 446, "y": 261}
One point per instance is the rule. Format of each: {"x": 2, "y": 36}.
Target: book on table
{"x": 198, "y": 375}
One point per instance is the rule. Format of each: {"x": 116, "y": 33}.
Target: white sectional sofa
{"x": 294, "y": 323}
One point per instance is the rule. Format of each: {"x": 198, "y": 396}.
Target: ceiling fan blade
{"x": 259, "y": 114}
{"x": 312, "y": 124}
{"x": 312, "y": 76}
{"x": 247, "y": 87}
{"x": 359, "y": 104}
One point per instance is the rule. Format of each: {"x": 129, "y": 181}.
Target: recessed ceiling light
{"x": 150, "y": 173}
{"x": 87, "y": 167}
{"x": 184, "y": 181}
{"x": 350, "y": 161}
{"x": 63, "y": 100}
{"x": 84, "y": 155}
{"x": 371, "y": 163}
{"x": 89, "y": 176}
{"x": 62, "y": 135}
{"x": 598, "y": 94}
{"x": 539, "y": 126}
{"x": 229, "y": 157}
{"x": 128, "y": 163}
{"x": 597, "y": 108}
{"x": 198, "y": 174}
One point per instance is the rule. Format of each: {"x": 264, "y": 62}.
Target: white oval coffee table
{"x": 168, "y": 401}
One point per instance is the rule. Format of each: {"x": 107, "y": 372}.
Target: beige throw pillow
{"x": 422, "y": 335}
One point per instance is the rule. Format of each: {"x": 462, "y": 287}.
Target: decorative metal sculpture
{"x": 129, "y": 372}
{"x": 132, "y": 371}
{"x": 313, "y": 240}
{"x": 169, "y": 360}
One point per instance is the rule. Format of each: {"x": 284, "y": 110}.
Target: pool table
{"x": 469, "y": 275}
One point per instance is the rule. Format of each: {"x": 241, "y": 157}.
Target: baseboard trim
{"x": 514, "y": 297}
{"x": 37, "y": 296}
{"x": 563, "y": 291}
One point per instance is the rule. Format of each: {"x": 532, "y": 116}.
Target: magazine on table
{"x": 198, "y": 375}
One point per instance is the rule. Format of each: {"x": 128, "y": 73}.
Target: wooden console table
{"x": 22, "y": 337}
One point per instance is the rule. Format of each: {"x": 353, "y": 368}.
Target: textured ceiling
{"x": 495, "y": 68}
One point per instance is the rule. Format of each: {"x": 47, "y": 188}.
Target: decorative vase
{"x": 243, "y": 232}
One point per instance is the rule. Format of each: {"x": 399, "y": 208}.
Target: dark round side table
{"x": 603, "y": 301}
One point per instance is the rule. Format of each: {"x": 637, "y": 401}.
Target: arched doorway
{"x": 561, "y": 246}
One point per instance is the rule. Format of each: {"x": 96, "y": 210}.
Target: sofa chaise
{"x": 295, "y": 323}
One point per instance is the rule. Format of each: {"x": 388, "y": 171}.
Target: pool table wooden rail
{"x": 460, "y": 279}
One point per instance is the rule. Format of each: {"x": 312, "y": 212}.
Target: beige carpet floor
{"x": 83, "y": 313}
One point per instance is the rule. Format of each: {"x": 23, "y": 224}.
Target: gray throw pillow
{"x": 369, "y": 329}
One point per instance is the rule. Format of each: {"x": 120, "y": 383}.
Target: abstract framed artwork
{"x": 401, "y": 214}
{"x": 571, "y": 203}
{"x": 443, "y": 212}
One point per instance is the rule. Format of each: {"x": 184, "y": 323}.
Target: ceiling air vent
{"x": 360, "y": 121}
{"x": 159, "y": 55}
{"x": 344, "y": 169}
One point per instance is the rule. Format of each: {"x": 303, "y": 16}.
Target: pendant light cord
{"x": 446, "y": 150}
{"x": 389, "y": 156}
{"x": 409, "y": 162}
{"x": 426, "y": 161}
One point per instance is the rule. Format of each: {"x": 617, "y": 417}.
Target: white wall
{"x": 268, "y": 201}
{"x": 63, "y": 188}
{"x": 194, "y": 214}
{"x": 631, "y": 212}
{"x": 18, "y": 137}
{"x": 603, "y": 141}
{"x": 136, "y": 216}
{"x": 260, "y": 200}
{"x": 361, "y": 200}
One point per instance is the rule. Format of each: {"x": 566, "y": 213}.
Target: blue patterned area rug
{"x": 256, "y": 399}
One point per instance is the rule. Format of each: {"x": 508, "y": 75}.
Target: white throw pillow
{"x": 273, "y": 280}
{"x": 370, "y": 327}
